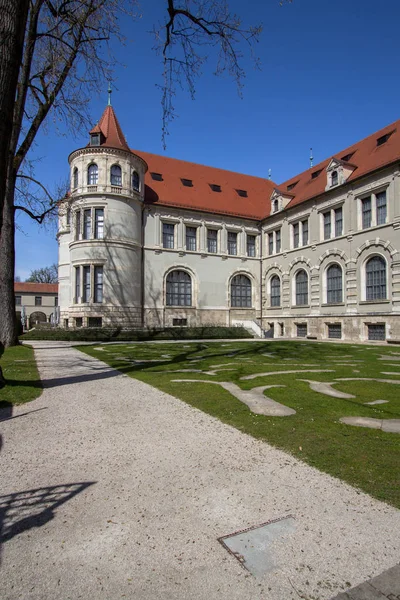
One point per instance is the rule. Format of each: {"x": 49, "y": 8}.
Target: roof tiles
{"x": 36, "y": 288}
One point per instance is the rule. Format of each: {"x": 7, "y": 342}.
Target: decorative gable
{"x": 338, "y": 172}
{"x": 279, "y": 200}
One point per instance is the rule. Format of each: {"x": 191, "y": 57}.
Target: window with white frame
{"x": 300, "y": 233}
{"x": 232, "y": 242}
{"x": 168, "y": 234}
{"x": 116, "y": 175}
{"x": 301, "y": 288}
{"x": 375, "y": 279}
{"x": 274, "y": 242}
{"x": 332, "y": 223}
{"x": 373, "y": 210}
{"x": 241, "y": 292}
{"x": 212, "y": 240}
{"x": 98, "y": 223}
{"x": 334, "y": 284}
{"x": 178, "y": 289}
{"x": 251, "y": 245}
{"x": 92, "y": 174}
{"x": 275, "y": 284}
{"x": 191, "y": 234}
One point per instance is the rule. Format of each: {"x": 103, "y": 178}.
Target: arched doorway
{"x": 36, "y": 318}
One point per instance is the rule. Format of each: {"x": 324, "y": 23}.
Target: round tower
{"x": 100, "y": 232}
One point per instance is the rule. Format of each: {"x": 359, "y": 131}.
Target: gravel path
{"x": 112, "y": 489}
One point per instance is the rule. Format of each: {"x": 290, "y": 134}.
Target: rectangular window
{"x": 296, "y": 235}
{"x": 278, "y": 240}
{"x": 86, "y": 284}
{"x": 338, "y": 221}
{"x": 305, "y": 232}
{"x": 366, "y": 212}
{"x": 251, "y": 245}
{"x": 301, "y": 330}
{"x": 335, "y": 331}
{"x": 87, "y": 223}
{"x": 377, "y": 331}
{"x": 18, "y": 300}
{"x": 78, "y": 322}
{"x": 327, "y": 225}
{"x": 78, "y": 225}
{"x": 179, "y": 322}
{"x": 232, "y": 242}
{"x": 212, "y": 240}
{"x": 38, "y": 300}
{"x": 270, "y": 243}
{"x": 99, "y": 223}
{"x": 191, "y": 238}
{"x": 168, "y": 235}
{"x": 381, "y": 209}
{"x": 98, "y": 284}
{"x": 95, "y": 322}
{"x": 77, "y": 284}
{"x": 55, "y": 300}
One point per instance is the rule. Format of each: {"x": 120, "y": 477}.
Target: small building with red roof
{"x": 151, "y": 241}
{"x": 36, "y": 303}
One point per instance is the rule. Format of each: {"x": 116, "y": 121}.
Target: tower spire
{"x": 311, "y": 157}
{"x": 109, "y": 93}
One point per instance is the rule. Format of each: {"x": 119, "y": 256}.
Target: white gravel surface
{"x": 168, "y": 480}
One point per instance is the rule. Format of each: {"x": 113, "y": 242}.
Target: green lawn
{"x": 21, "y": 374}
{"x": 366, "y": 458}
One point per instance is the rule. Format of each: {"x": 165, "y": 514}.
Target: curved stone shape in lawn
{"x": 210, "y": 372}
{"x": 368, "y": 379}
{"x": 388, "y": 425}
{"x": 255, "y": 375}
{"x": 325, "y": 387}
{"x": 255, "y": 399}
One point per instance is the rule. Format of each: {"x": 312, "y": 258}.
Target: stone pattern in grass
{"x": 22, "y": 377}
{"x": 364, "y": 457}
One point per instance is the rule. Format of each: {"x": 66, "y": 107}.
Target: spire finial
{"x": 269, "y": 174}
{"x": 311, "y": 158}
{"x": 109, "y": 93}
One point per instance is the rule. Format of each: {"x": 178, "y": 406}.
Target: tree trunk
{"x": 8, "y": 322}
{"x": 13, "y": 20}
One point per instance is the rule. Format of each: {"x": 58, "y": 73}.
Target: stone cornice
{"x": 105, "y": 150}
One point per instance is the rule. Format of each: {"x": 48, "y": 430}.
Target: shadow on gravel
{"x": 26, "y": 510}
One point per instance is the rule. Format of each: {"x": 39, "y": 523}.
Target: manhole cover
{"x": 254, "y": 547}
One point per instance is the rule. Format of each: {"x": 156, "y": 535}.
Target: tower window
{"x": 135, "y": 181}
{"x": 116, "y": 175}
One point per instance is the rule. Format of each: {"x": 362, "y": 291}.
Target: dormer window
{"x": 275, "y": 206}
{"x": 215, "y": 187}
{"x": 334, "y": 178}
{"x": 95, "y": 139}
{"x": 383, "y": 139}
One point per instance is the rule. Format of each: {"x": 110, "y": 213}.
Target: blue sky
{"x": 329, "y": 77}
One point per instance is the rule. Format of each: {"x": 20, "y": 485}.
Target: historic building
{"x": 150, "y": 241}
{"x": 36, "y": 303}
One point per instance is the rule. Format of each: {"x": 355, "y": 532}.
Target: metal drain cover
{"x": 253, "y": 547}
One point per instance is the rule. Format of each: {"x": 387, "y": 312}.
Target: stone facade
{"x": 326, "y": 266}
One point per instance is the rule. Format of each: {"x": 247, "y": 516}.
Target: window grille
{"x": 301, "y": 330}
{"x": 334, "y": 284}
{"x": 168, "y": 235}
{"x": 212, "y": 240}
{"x": 179, "y": 289}
{"x": 376, "y": 279}
{"x": 366, "y": 212}
{"x": 232, "y": 242}
{"x": 335, "y": 331}
{"x": 377, "y": 331}
{"x": 275, "y": 291}
{"x": 241, "y": 292}
{"x": 95, "y": 322}
{"x": 191, "y": 238}
{"x": 301, "y": 288}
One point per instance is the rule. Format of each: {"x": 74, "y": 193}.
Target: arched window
{"x": 301, "y": 288}
{"x": 93, "y": 174}
{"x": 275, "y": 206}
{"x": 75, "y": 178}
{"x": 275, "y": 291}
{"x": 116, "y": 175}
{"x": 179, "y": 289}
{"x": 334, "y": 178}
{"x": 375, "y": 271}
{"x": 241, "y": 291}
{"x": 135, "y": 181}
{"x": 334, "y": 284}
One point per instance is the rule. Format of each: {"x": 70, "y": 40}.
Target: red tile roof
{"x": 36, "y": 288}
{"x": 171, "y": 191}
{"x": 365, "y": 158}
{"x": 111, "y": 130}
